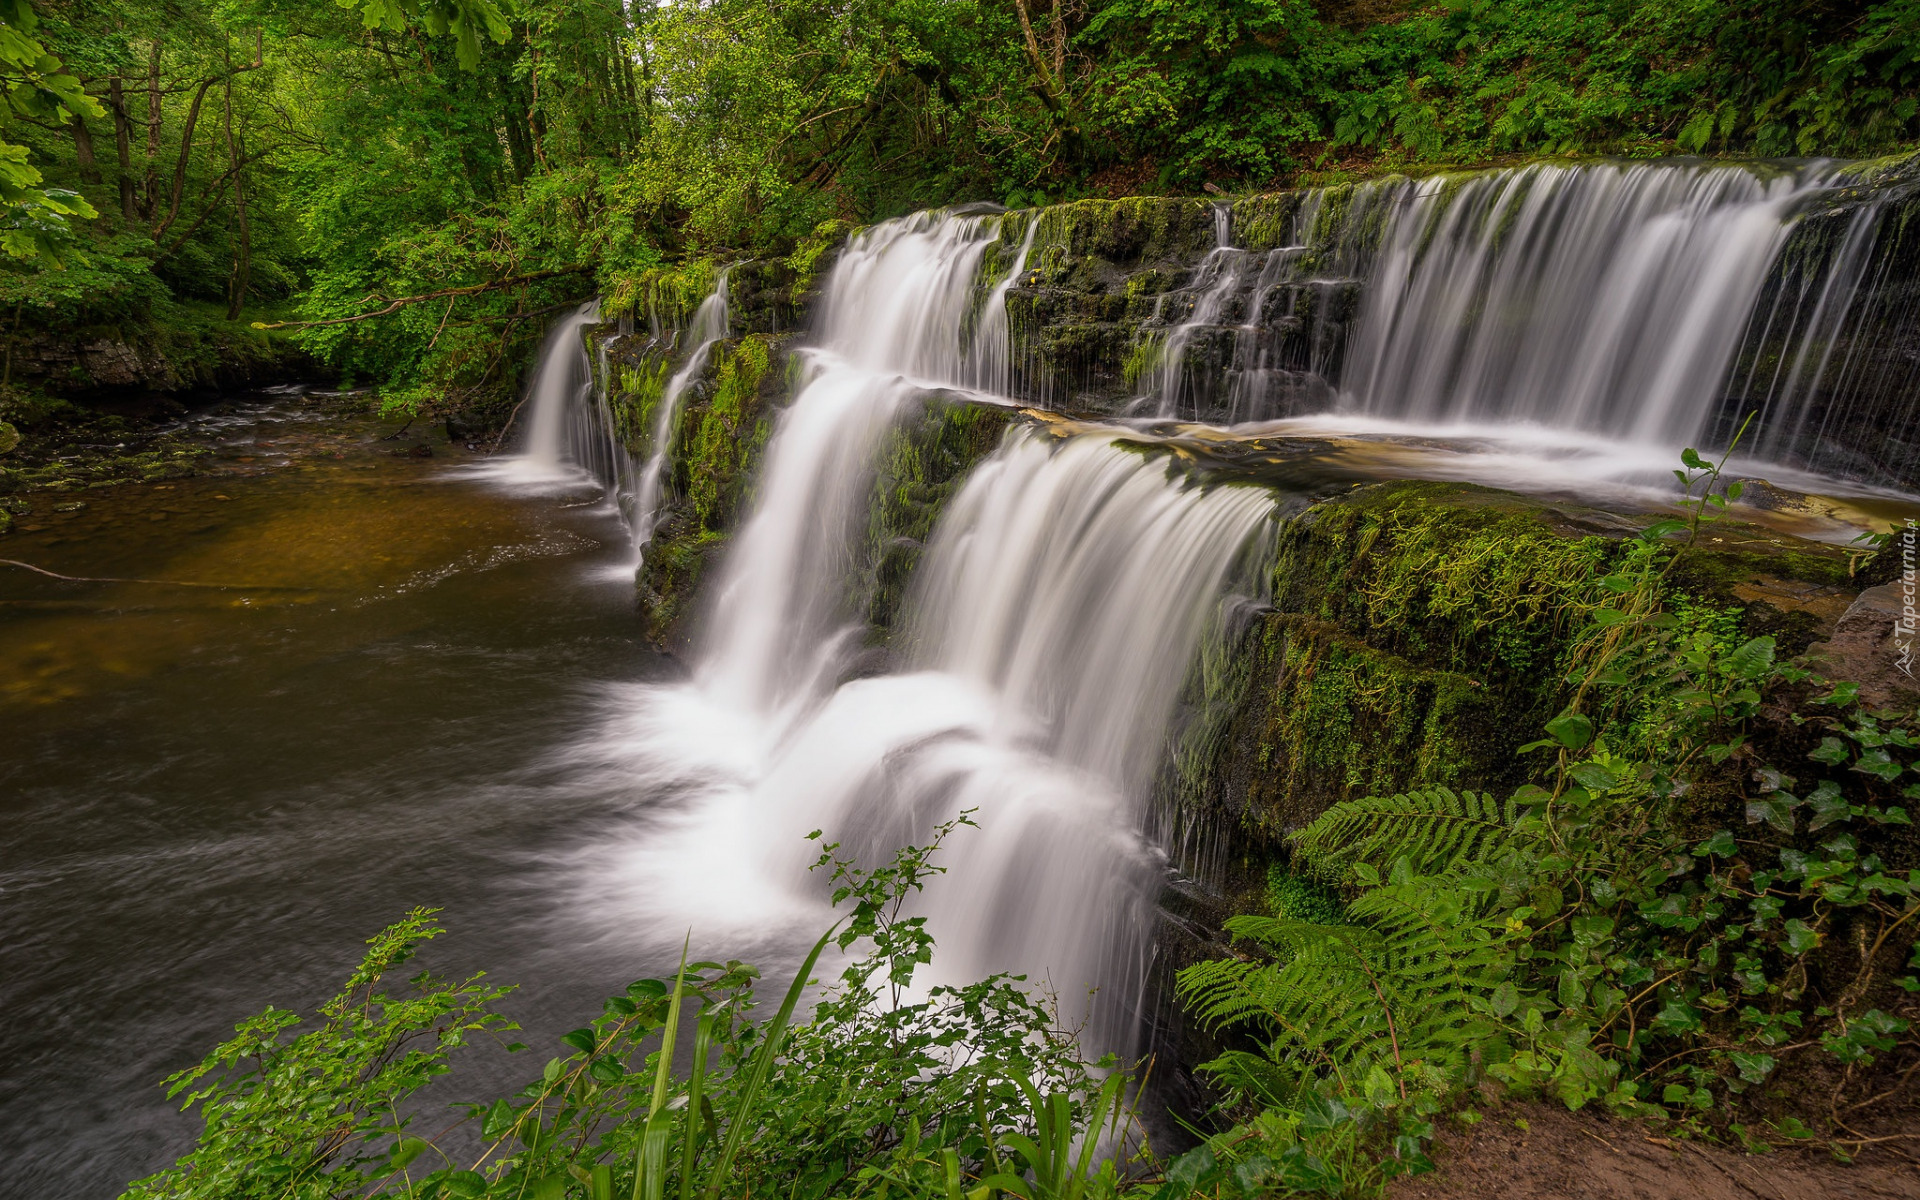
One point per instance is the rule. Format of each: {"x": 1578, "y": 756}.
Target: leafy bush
{"x": 1604, "y": 938}
{"x": 874, "y": 1093}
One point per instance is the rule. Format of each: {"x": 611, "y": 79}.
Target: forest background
{"x": 469, "y": 167}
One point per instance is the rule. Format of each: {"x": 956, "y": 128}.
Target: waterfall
{"x": 565, "y": 433}
{"x": 894, "y": 324}
{"x": 1061, "y": 601}
{"x": 1174, "y": 377}
{"x": 708, "y": 326}
{"x": 1607, "y": 298}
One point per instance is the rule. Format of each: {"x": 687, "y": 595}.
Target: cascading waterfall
{"x": 708, "y": 326}
{"x": 1637, "y": 306}
{"x": 1608, "y": 298}
{"x": 1060, "y": 603}
{"x": 565, "y": 433}
{"x": 894, "y": 324}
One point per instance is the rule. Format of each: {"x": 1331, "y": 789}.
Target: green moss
{"x": 1456, "y": 576}
{"x": 812, "y": 251}
{"x": 671, "y": 293}
{"x": 717, "y": 447}
{"x": 1142, "y": 359}
{"x": 730, "y": 435}
{"x": 922, "y": 464}
{"x": 1303, "y": 899}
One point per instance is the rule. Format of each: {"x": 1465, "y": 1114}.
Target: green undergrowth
{"x": 1700, "y": 911}
{"x": 877, "y": 1092}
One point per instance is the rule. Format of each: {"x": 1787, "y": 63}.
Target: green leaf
{"x": 1572, "y": 730}
{"x": 1505, "y": 999}
{"x": 1776, "y": 810}
{"x": 1754, "y": 1068}
{"x": 1752, "y": 659}
{"x": 1801, "y": 937}
{"x": 1720, "y": 845}
{"x": 405, "y": 1151}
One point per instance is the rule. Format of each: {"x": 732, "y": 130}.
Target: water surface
{"x": 211, "y": 796}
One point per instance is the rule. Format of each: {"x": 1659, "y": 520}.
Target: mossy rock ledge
{"x": 1418, "y": 635}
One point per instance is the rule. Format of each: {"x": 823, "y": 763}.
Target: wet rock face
{"x": 1876, "y": 643}
{"x": 1182, "y": 307}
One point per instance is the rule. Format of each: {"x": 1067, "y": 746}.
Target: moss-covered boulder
{"x": 922, "y": 463}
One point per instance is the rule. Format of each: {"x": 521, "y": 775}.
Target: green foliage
{"x": 305, "y": 1116}
{"x": 33, "y": 219}
{"x": 878, "y": 1093}
{"x": 1435, "y": 830}
{"x": 1603, "y": 936}
{"x": 1303, "y": 899}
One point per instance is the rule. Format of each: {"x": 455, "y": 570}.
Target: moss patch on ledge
{"x": 1419, "y": 635}
{"x": 717, "y": 447}
{"x": 922, "y": 464}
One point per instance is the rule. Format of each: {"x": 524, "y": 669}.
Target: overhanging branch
{"x": 442, "y": 294}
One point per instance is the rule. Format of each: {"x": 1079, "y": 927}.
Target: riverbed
{"x": 213, "y": 793}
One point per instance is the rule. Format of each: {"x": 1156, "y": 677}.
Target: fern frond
{"x": 1393, "y": 989}
{"x": 1435, "y": 829}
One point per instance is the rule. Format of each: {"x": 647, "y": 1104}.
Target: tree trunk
{"x": 83, "y": 150}
{"x": 151, "y": 197}
{"x": 122, "y": 146}
{"x": 186, "y": 151}
{"x": 243, "y": 250}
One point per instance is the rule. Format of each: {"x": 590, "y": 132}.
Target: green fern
{"x": 1393, "y": 991}
{"x": 1435, "y": 830}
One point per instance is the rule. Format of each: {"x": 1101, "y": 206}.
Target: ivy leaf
{"x": 1776, "y": 810}
{"x": 1878, "y": 764}
{"x": 1754, "y": 1068}
{"x": 1801, "y": 937}
{"x": 1677, "y": 1016}
{"x": 1720, "y": 845}
{"x": 1842, "y": 695}
{"x": 1828, "y": 751}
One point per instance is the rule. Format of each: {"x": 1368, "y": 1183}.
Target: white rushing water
{"x": 564, "y": 423}
{"x": 1605, "y": 298}
{"x": 1057, "y": 609}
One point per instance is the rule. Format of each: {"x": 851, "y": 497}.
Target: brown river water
{"x": 212, "y": 794}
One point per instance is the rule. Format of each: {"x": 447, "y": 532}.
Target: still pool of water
{"x": 211, "y": 795}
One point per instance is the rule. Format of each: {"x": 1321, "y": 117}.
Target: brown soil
{"x": 1584, "y": 1156}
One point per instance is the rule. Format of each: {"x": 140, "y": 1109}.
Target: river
{"x": 212, "y": 796}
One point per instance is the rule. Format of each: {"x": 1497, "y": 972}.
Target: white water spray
{"x": 1060, "y": 603}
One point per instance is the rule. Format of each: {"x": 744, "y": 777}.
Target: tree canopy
{"x": 293, "y": 160}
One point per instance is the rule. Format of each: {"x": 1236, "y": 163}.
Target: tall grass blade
{"x": 650, "y": 1170}
{"x": 663, "y": 1074}
{"x": 762, "y": 1065}
{"x": 696, "y": 1094}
